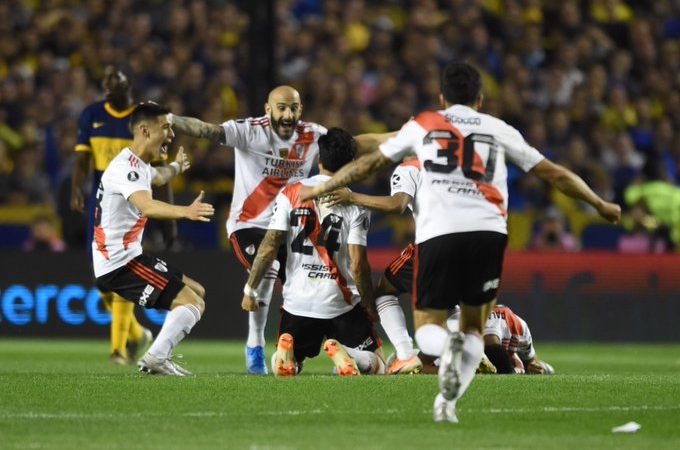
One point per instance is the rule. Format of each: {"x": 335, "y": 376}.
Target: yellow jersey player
{"x": 104, "y": 129}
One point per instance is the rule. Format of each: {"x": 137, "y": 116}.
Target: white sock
{"x": 178, "y": 323}
{"x": 430, "y": 339}
{"x": 393, "y": 322}
{"x": 473, "y": 350}
{"x": 367, "y": 362}
{"x": 258, "y": 320}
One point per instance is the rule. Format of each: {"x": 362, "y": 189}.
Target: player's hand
{"x": 249, "y": 304}
{"x": 183, "y": 160}
{"x": 77, "y": 200}
{"x": 610, "y": 211}
{"x": 200, "y": 211}
{"x": 307, "y": 193}
{"x": 341, "y": 196}
{"x": 535, "y": 367}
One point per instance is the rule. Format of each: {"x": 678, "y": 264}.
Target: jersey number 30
{"x": 460, "y": 152}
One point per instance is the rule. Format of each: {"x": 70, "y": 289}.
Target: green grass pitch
{"x": 61, "y": 394}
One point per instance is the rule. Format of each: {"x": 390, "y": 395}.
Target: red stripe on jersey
{"x": 411, "y": 163}
{"x": 511, "y": 319}
{"x": 147, "y": 274}
{"x": 132, "y": 235}
{"x": 261, "y": 197}
{"x": 100, "y": 240}
{"x": 431, "y": 121}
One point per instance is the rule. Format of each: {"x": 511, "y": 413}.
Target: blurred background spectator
{"x": 592, "y": 84}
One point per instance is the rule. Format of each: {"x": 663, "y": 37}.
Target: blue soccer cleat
{"x": 255, "y": 364}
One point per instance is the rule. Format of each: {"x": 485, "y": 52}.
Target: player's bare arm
{"x": 266, "y": 254}
{"x": 80, "y": 171}
{"x": 572, "y": 185}
{"x": 155, "y": 209}
{"x": 361, "y": 271}
{"x": 357, "y": 170}
{"x": 166, "y": 173}
{"x": 396, "y": 203}
{"x": 369, "y": 142}
{"x": 191, "y": 126}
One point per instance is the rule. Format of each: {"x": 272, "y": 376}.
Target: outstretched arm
{"x": 191, "y": 126}
{"x": 266, "y": 255}
{"x": 572, "y": 185}
{"x": 355, "y": 171}
{"x": 369, "y": 142}
{"x": 155, "y": 209}
{"x": 396, "y": 203}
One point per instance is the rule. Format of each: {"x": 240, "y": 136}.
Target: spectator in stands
{"x": 552, "y": 235}
{"x": 44, "y": 236}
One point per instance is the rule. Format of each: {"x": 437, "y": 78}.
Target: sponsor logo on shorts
{"x": 364, "y": 345}
{"x": 491, "y": 284}
{"x": 250, "y": 249}
{"x": 148, "y": 290}
{"x": 161, "y": 265}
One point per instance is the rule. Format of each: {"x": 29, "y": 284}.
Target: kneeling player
{"x": 328, "y": 289}
{"x": 124, "y": 203}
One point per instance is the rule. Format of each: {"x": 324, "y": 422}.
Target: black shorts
{"x": 458, "y": 268}
{"x": 352, "y": 329}
{"x": 400, "y": 271}
{"x": 145, "y": 280}
{"x": 245, "y": 243}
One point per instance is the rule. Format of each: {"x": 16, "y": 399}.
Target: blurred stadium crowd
{"x": 594, "y": 85}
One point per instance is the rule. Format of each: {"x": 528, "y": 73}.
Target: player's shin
{"x": 178, "y": 323}
{"x": 258, "y": 319}
{"x": 473, "y": 350}
{"x": 393, "y": 322}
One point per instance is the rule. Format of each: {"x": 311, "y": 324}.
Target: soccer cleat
{"x": 117, "y": 358}
{"x": 153, "y": 366}
{"x": 444, "y": 411}
{"x": 184, "y": 372}
{"x": 255, "y": 364}
{"x": 344, "y": 364}
{"x": 135, "y": 348}
{"x": 284, "y": 363}
{"x": 449, "y": 365}
{"x": 405, "y": 366}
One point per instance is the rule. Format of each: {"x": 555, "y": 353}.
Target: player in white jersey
{"x": 328, "y": 288}
{"x": 461, "y": 215}
{"x": 398, "y": 276}
{"x": 123, "y": 205}
{"x": 271, "y": 152}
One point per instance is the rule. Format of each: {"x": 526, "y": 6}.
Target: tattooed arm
{"x": 197, "y": 128}
{"x": 355, "y": 171}
{"x": 369, "y": 142}
{"x": 266, "y": 255}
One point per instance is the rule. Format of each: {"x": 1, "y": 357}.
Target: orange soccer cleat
{"x": 345, "y": 364}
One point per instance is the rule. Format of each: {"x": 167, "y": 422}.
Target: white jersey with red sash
{"x": 265, "y": 163}
{"x": 319, "y": 282}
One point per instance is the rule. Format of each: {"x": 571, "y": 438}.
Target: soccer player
{"x": 271, "y": 152}
{"x": 124, "y": 203}
{"x": 328, "y": 287}
{"x": 461, "y": 228}
{"x": 104, "y": 129}
{"x": 398, "y": 276}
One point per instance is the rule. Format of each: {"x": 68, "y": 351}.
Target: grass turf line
{"x": 64, "y": 394}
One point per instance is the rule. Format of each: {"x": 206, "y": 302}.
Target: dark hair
{"x": 461, "y": 83}
{"x": 145, "y": 111}
{"x": 336, "y": 148}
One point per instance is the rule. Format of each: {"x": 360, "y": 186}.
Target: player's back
{"x": 464, "y": 174}
{"x": 265, "y": 163}
{"x": 319, "y": 281}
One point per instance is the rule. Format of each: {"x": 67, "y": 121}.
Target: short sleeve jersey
{"x": 265, "y": 163}
{"x": 319, "y": 282}
{"x": 464, "y": 174}
{"x": 118, "y": 225}
{"x": 512, "y": 330}
{"x": 406, "y": 179}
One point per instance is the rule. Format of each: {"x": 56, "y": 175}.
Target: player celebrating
{"x": 398, "y": 276}
{"x": 124, "y": 203}
{"x": 327, "y": 274}
{"x": 461, "y": 228}
{"x": 271, "y": 152}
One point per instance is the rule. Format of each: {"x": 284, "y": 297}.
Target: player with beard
{"x": 271, "y": 151}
